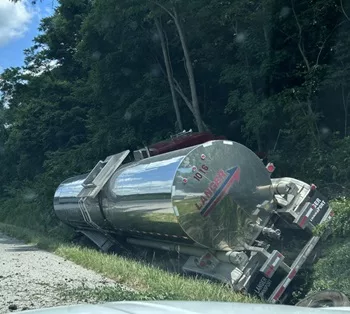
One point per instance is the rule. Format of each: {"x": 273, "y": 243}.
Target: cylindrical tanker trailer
{"x": 215, "y": 202}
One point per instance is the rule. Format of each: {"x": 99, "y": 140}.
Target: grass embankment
{"x": 149, "y": 282}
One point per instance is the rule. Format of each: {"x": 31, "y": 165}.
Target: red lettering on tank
{"x": 213, "y": 186}
{"x": 222, "y": 183}
{"x": 208, "y": 192}
{"x": 217, "y": 181}
{"x": 221, "y": 174}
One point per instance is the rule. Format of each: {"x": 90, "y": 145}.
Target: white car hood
{"x": 185, "y": 307}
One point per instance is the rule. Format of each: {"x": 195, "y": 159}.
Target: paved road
{"x": 29, "y": 277}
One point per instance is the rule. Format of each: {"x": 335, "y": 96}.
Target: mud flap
{"x": 262, "y": 286}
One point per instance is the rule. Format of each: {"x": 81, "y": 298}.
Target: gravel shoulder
{"x": 31, "y": 278}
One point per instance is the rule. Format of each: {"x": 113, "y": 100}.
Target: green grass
{"x": 332, "y": 271}
{"x": 148, "y": 282}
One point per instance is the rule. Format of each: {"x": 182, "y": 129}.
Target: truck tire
{"x": 326, "y": 298}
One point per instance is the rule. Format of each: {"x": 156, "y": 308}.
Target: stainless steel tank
{"x": 208, "y": 194}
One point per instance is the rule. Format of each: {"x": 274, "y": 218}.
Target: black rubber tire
{"x": 329, "y": 297}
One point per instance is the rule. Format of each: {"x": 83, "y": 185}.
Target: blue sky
{"x": 18, "y": 26}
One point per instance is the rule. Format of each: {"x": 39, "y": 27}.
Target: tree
{"x": 173, "y": 13}
{"x": 169, "y": 72}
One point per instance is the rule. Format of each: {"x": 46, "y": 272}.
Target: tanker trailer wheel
{"x": 326, "y": 298}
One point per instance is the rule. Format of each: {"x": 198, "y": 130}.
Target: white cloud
{"x": 14, "y": 20}
{"x": 46, "y": 66}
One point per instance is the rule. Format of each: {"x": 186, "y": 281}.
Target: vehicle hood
{"x": 185, "y": 307}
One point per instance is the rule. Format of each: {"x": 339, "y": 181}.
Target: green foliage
{"x": 340, "y": 224}
{"x": 326, "y": 166}
{"x": 257, "y": 71}
{"x": 332, "y": 271}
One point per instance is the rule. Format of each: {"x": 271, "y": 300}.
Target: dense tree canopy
{"x": 109, "y": 75}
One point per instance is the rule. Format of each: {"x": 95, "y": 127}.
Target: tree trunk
{"x": 196, "y": 111}
{"x": 345, "y": 104}
{"x": 169, "y": 74}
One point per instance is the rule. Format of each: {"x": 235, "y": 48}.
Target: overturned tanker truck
{"x": 208, "y": 199}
